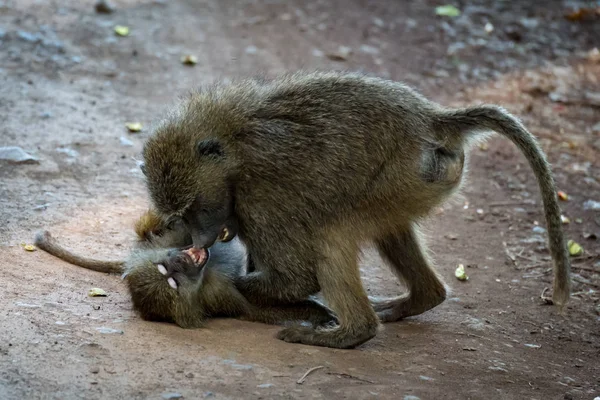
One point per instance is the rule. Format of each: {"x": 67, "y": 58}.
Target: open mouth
{"x": 198, "y": 256}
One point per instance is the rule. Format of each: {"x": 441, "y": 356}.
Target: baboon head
{"x": 188, "y": 175}
{"x": 170, "y": 291}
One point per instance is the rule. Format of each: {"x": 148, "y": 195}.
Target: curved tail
{"x": 475, "y": 120}
{"x": 46, "y": 242}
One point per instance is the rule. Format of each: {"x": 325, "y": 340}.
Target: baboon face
{"x": 167, "y": 292}
{"x": 187, "y": 178}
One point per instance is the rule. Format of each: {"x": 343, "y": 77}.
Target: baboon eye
{"x": 143, "y": 168}
{"x": 210, "y": 147}
{"x": 170, "y": 223}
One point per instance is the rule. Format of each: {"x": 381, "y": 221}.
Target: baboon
{"x": 170, "y": 282}
{"x": 314, "y": 165}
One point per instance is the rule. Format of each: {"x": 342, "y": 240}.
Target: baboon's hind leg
{"x": 339, "y": 279}
{"x": 406, "y": 255}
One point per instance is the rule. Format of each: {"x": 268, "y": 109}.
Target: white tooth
{"x": 162, "y": 269}
{"x": 172, "y": 283}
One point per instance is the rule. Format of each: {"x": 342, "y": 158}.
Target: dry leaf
{"x": 122, "y": 30}
{"x": 97, "y": 292}
{"x": 29, "y": 247}
{"x": 342, "y": 54}
{"x": 460, "y": 273}
{"x": 574, "y": 248}
{"x": 562, "y": 195}
{"x": 134, "y": 126}
{"x": 447, "y": 11}
{"x": 565, "y": 220}
{"x": 189, "y": 60}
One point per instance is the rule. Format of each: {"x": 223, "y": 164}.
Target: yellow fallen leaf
{"x": 97, "y": 292}
{"x": 460, "y": 273}
{"x": 29, "y": 247}
{"x": 562, "y": 195}
{"x": 447, "y": 11}
{"x": 189, "y": 60}
{"x": 574, "y": 248}
{"x": 565, "y": 220}
{"x": 122, "y": 30}
{"x": 134, "y": 126}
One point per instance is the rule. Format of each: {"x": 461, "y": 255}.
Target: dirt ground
{"x": 68, "y": 85}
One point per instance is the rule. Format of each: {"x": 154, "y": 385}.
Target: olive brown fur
{"x": 314, "y": 165}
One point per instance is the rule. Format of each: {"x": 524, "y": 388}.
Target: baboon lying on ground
{"x": 171, "y": 281}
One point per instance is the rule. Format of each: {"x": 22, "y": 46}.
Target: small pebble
{"x": 95, "y": 369}
{"x": 68, "y": 151}
{"x": 172, "y": 395}
{"x": 125, "y": 142}
{"x": 538, "y": 229}
{"x": 591, "y": 205}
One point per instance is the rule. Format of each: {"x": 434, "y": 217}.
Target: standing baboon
{"x": 314, "y": 165}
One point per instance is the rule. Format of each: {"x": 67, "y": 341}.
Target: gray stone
{"x": 17, "y": 155}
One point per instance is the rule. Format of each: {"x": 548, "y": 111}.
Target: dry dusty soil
{"x": 68, "y": 85}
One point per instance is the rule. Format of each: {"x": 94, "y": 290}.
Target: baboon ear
{"x": 210, "y": 148}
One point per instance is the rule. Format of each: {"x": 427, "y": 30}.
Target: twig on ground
{"x": 470, "y": 334}
{"x": 510, "y": 203}
{"x": 534, "y": 260}
{"x": 591, "y": 269}
{"x": 576, "y": 279}
{"x": 528, "y": 267}
{"x": 585, "y": 258}
{"x": 311, "y": 370}
{"x": 348, "y": 376}
{"x": 509, "y": 255}
{"x": 546, "y": 299}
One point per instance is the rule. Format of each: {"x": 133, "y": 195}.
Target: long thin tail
{"x": 46, "y": 242}
{"x": 484, "y": 118}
